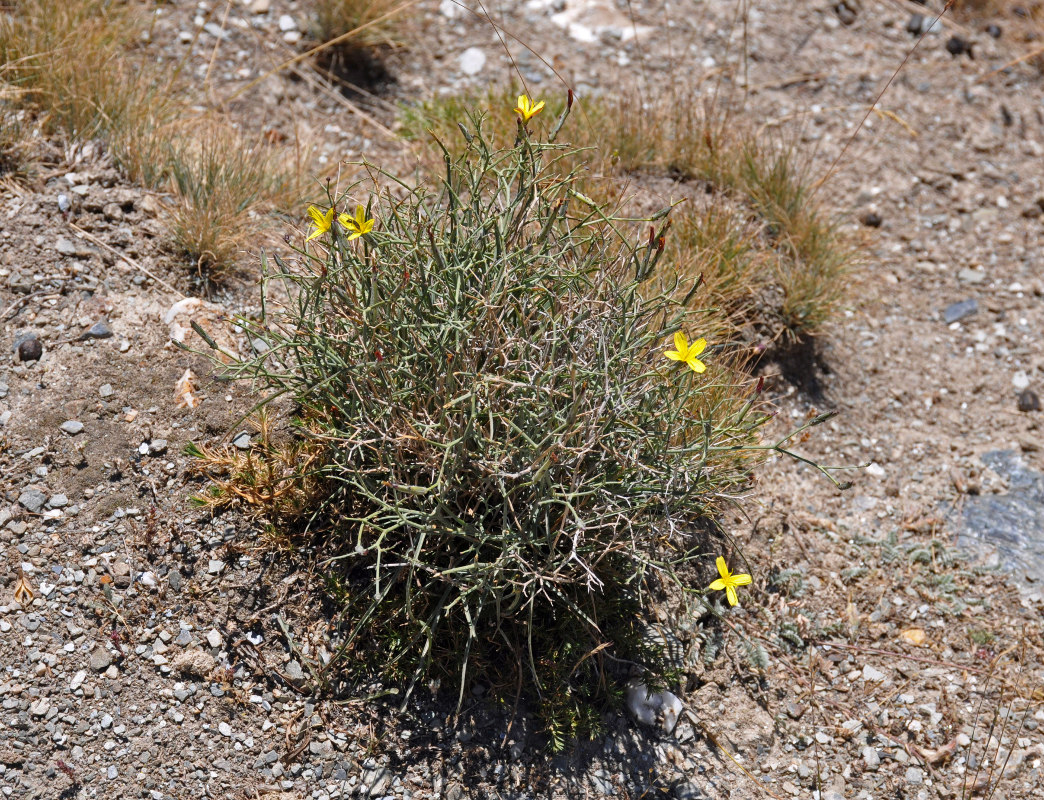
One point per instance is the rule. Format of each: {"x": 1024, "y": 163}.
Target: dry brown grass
{"x": 75, "y": 68}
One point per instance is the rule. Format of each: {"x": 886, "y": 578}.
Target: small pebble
{"x": 72, "y": 427}
{"x": 472, "y": 61}
{"x": 956, "y": 46}
{"x": 871, "y": 219}
{"x": 958, "y": 311}
{"x": 1028, "y": 400}
{"x": 28, "y": 348}
{"x": 872, "y": 675}
{"x": 99, "y": 330}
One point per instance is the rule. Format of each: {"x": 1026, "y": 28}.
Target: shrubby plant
{"x": 501, "y": 453}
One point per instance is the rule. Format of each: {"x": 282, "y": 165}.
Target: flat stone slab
{"x": 1011, "y": 523}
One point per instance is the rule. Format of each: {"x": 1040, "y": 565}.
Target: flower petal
{"x": 346, "y": 222}
{"x": 681, "y": 342}
{"x": 717, "y": 586}
{"x": 360, "y": 217}
{"x": 355, "y": 234}
{"x": 741, "y": 580}
{"x": 316, "y": 214}
{"x": 731, "y": 594}
{"x": 722, "y": 569}
{"x": 317, "y": 232}
{"x": 698, "y": 346}
{"x": 695, "y": 363}
{"x": 674, "y": 355}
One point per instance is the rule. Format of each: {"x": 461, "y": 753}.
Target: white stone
{"x": 225, "y": 729}
{"x": 650, "y": 708}
{"x": 78, "y": 680}
{"x": 875, "y": 469}
{"x": 287, "y": 23}
{"x": 214, "y": 638}
{"x": 472, "y": 61}
{"x": 1020, "y": 380}
{"x": 872, "y": 675}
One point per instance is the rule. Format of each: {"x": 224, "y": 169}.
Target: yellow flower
{"x": 321, "y": 222}
{"x": 687, "y": 353}
{"x": 728, "y": 582}
{"x": 357, "y": 226}
{"x": 527, "y": 109}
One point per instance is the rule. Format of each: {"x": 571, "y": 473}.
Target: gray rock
{"x": 242, "y": 440}
{"x": 871, "y": 758}
{"x": 184, "y": 638}
{"x": 195, "y": 662}
{"x": 72, "y": 427}
{"x": 214, "y": 566}
{"x": 872, "y": 675}
{"x": 968, "y": 275}
{"x": 958, "y": 311}
{"x": 294, "y": 672}
{"x": 99, "y": 330}
{"x": 214, "y": 638}
{"x": 101, "y": 658}
{"x": 32, "y": 500}
{"x": 687, "y": 790}
{"x": 372, "y": 782}
{"x": 157, "y": 447}
{"x": 915, "y": 775}
{"x": 69, "y": 247}
{"x": 105, "y": 390}
{"x": 58, "y": 501}
{"x": 1028, "y": 400}
{"x": 1010, "y": 523}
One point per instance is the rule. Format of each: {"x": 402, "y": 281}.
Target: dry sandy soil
{"x": 162, "y": 657}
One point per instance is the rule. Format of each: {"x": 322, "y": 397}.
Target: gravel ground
{"x": 148, "y": 650}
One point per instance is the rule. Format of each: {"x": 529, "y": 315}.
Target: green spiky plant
{"x": 504, "y": 468}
